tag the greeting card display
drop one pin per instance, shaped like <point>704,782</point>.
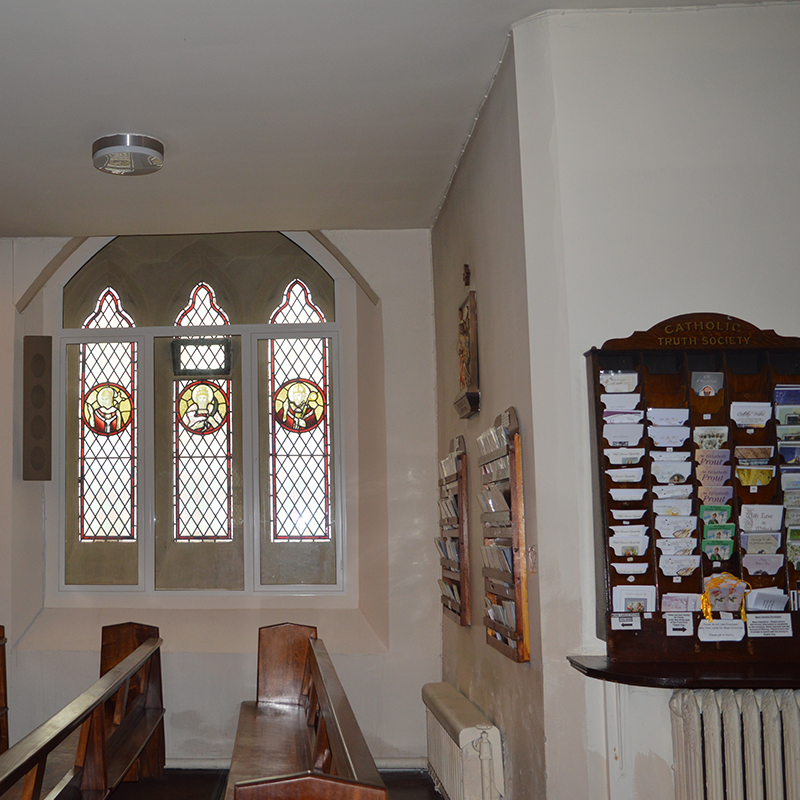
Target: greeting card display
<point>696,434</point>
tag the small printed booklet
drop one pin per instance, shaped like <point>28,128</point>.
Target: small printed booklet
<point>714,515</point>
<point>707,384</point>
<point>718,549</point>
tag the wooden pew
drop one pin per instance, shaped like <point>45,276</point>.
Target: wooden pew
<point>120,721</point>
<point>3,693</point>
<point>299,740</point>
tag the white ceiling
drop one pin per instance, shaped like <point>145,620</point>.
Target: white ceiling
<point>276,114</point>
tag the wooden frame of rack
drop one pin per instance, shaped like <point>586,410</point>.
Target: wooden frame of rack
<point>3,693</point>
<point>456,529</point>
<point>752,362</point>
<point>506,528</point>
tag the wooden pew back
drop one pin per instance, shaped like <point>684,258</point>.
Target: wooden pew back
<point>322,748</point>
<point>120,720</point>
<point>282,657</point>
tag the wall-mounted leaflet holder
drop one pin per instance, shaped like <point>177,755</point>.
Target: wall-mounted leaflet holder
<point>453,540</point>
<point>696,438</point>
<point>505,568</point>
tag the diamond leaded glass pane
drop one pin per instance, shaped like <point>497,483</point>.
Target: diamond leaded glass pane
<point>202,461</point>
<point>202,308</point>
<point>299,425</point>
<point>108,423</point>
<point>202,489</point>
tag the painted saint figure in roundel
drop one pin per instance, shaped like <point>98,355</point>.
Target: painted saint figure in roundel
<point>107,409</point>
<point>299,405</point>
<point>202,407</point>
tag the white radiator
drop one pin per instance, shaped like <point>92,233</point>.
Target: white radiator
<point>465,754</point>
<point>736,745</point>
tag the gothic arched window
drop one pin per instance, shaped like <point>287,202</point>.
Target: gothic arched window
<point>107,474</point>
<point>299,425</point>
<point>203,433</point>
<point>199,443</point>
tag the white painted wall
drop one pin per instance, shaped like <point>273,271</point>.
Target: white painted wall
<point>481,225</point>
<point>660,175</point>
<point>209,653</point>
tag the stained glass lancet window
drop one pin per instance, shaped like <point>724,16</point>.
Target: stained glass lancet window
<point>202,493</point>
<point>299,371</point>
<point>108,424</point>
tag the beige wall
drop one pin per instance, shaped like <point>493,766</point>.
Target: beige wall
<point>659,174</point>
<point>674,161</point>
<point>481,224</point>
<point>382,632</point>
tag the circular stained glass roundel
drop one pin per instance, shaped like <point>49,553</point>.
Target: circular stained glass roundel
<point>299,405</point>
<point>202,407</point>
<point>107,409</point>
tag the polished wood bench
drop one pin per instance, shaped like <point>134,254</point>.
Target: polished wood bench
<point>118,724</point>
<point>300,738</point>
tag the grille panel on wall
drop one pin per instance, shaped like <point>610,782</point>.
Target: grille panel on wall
<point>465,756</point>
<point>736,745</point>
<point>37,444</point>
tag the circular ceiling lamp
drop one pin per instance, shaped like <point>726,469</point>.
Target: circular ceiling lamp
<point>128,154</point>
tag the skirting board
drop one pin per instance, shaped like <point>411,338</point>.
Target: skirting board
<point>198,763</point>
<point>383,764</point>
<point>401,764</point>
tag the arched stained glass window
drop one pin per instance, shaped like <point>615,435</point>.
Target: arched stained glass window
<point>200,445</point>
<point>202,308</point>
<point>108,425</point>
<point>202,494</point>
<point>299,377</point>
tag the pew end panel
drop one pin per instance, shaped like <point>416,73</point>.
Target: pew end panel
<point>282,658</point>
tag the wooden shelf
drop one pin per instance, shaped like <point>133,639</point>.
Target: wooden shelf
<point>661,362</point>
<point>509,481</point>
<point>691,675</point>
<point>454,486</point>
<point>493,455</point>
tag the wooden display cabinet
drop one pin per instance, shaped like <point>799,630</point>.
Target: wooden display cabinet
<point>504,554</point>
<point>747,364</point>
<point>453,542</point>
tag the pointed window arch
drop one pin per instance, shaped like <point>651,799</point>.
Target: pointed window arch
<point>202,491</point>
<point>199,447</point>
<point>300,452</point>
<point>107,474</point>
<point>202,308</point>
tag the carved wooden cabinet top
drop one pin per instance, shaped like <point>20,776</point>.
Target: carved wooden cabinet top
<point>702,331</point>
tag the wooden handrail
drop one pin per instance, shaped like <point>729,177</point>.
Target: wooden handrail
<point>349,748</point>
<point>31,751</point>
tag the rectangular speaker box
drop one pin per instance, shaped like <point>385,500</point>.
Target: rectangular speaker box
<point>37,408</point>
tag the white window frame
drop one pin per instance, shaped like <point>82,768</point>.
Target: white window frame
<point>344,288</point>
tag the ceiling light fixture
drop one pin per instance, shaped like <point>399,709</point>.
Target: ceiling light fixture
<point>128,154</point>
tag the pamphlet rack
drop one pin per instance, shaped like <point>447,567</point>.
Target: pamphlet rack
<point>640,587</point>
<point>453,541</point>
<point>504,553</point>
